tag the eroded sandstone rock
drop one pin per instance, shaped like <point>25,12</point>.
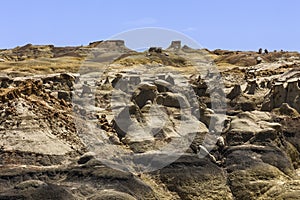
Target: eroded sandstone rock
<point>42,155</point>
<point>175,100</point>
<point>283,94</point>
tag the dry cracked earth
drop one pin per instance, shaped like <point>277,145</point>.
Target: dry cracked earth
<point>105,122</point>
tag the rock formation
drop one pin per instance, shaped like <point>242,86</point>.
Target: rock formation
<point>69,133</point>
<point>175,46</point>
<point>288,92</point>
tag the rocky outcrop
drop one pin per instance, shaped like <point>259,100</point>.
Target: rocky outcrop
<point>30,51</point>
<point>27,105</point>
<point>37,190</point>
<point>283,93</point>
<point>172,100</point>
<point>144,93</point>
<point>202,179</point>
<point>285,109</point>
<point>101,182</point>
<point>149,127</point>
<point>251,87</point>
<point>247,126</point>
<point>175,46</point>
<point>235,92</point>
<point>155,114</point>
<point>155,50</point>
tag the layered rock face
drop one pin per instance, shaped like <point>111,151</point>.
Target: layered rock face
<point>105,122</point>
<point>281,93</point>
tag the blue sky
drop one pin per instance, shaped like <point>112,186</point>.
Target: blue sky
<point>230,24</point>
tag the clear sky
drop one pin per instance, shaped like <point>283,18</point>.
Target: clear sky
<point>225,24</point>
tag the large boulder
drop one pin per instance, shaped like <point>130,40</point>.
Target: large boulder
<point>286,109</point>
<point>65,95</point>
<point>235,92</point>
<point>253,174</point>
<point>175,100</point>
<point>163,86</point>
<point>248,126</point>
<point>200,179</point>
<point>5,81</point>
<point>144,93</point>
<point>252,86</point>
